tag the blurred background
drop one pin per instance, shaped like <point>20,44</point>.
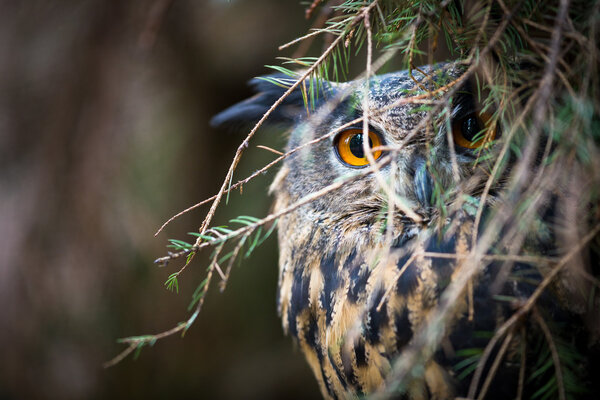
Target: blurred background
<point>104,110</point>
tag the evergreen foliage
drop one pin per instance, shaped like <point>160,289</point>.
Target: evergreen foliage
<point>535,68</point>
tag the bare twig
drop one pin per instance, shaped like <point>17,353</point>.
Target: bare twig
<point>232,259</point>
<point>555,358</point>
<point>260,146</point>
<point>411,50</point>
<point>495,365</point>
<point>262,170</point>
<point>398,275</point>
<point>271,217</point>
<point>496,257</point>
<point>121,356</point>
<point>521,385</point>
<point>308,35</point>
<point>525,308</point>
<point>365,142</point>
<point>137,341</point>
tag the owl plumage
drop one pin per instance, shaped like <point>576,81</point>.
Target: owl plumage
<point>355,284</point>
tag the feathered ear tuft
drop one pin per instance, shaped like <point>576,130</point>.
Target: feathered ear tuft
<point>268,90</point>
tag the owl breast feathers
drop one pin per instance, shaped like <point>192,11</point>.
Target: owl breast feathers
<point>366,267</point>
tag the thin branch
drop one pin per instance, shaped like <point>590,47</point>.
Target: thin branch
<point>529,304</point>
<point>365,142</point>
<point>495,365</point>
<point>521,384</point>
<point>271,217</point>
<point>555,358</point>
<point>411,50</point>
<point>452,150</point>
<point>236,250</point>
<point>495,257</point>
<point>121,356</point>
<point>398,275</point>
<point>269,149</point>
<point>135,342</point>
<point>308,35</point>
<point>262,170</point>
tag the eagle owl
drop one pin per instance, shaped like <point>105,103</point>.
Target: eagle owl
<point>364,265</point>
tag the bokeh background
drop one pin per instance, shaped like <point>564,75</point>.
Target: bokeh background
<point>104,134</point>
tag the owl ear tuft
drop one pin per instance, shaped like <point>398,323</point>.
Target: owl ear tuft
<point>268,90</point>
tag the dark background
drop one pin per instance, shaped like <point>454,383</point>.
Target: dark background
<point>104,110</point>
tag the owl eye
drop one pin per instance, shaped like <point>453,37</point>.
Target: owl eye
<point>468,132</point>
<point>349,147</point>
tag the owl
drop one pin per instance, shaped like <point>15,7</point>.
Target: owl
<point>383,281</point>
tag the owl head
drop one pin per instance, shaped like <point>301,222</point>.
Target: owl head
<point>425,140</point>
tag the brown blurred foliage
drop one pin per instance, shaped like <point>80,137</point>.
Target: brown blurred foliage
<point>104,109</point>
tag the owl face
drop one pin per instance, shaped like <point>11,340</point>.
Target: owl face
<point>414,141</point>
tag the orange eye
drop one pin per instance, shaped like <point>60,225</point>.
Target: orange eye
<point>473,131</point>
<point>349,147</point>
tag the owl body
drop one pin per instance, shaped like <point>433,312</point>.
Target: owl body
<point>341,293</point>
<point>329,301</point>
<point>355,285</point>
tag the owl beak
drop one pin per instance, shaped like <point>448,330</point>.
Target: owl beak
<point>423,183</point>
